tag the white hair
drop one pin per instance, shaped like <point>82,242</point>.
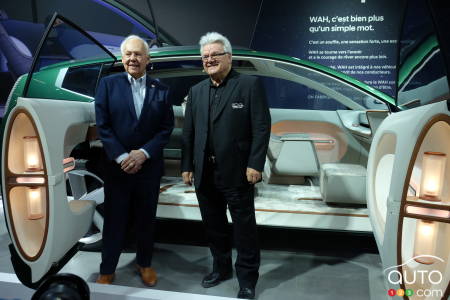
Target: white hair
<point>215,37</point>
<point>133,37</point>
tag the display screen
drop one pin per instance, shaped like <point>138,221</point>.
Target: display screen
<point>358,38</point>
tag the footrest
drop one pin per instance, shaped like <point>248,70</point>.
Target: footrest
<point>343,183</point>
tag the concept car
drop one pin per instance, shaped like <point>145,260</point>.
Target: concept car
<point>342,155</point>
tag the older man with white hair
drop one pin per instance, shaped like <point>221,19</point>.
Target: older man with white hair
<point>134,121</point>
<point>225,139</point>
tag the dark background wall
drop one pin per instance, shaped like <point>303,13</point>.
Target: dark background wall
<point>186,21</point>
<point>282,26</point>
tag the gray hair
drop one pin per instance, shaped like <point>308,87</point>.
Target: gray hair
<point>215,37</point>
<point>133,37</point>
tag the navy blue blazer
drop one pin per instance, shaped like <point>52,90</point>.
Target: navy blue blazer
<point>118,126</point>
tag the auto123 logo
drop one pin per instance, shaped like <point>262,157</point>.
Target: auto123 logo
<point>420,277</point>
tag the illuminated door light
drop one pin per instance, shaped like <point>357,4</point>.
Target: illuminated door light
<point>433,170</point>
<point>34,203</point>
<point>425,242</point>
<point>32,154</point>
<point>428,212</point>
<point>28,180</point>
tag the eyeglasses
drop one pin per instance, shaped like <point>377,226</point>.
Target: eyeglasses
<point>213,56</point>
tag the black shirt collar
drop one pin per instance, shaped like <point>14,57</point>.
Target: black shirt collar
<point>230,74</point>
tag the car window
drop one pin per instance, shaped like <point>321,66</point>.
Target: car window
<point>287,85</point>
<point>179,87</point>
<point>325,91</point>
<point>181,75</point>
<point>82,79</point>
<point>282,93</point>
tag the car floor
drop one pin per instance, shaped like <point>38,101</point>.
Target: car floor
<point>274,197</point>
<point>295,264</point>
<point>294,206</point>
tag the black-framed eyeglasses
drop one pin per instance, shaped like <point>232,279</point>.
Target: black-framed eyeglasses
<point>213,56</point>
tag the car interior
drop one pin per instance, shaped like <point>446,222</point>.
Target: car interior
<point>320,136</point>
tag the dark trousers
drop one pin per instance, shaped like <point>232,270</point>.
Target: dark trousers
<point>122,194</point>
<point>213,199</point>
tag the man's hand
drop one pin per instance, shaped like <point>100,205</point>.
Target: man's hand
<point>187,177</point>
<point>133,163</point>
<point>253,176</point>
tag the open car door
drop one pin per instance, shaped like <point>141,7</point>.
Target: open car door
<point>45,224</point>
<point>408,171</point>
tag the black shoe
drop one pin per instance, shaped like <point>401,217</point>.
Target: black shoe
<point>214,278</point>
<point>246,293</point>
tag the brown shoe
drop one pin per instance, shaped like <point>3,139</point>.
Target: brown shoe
<point>105,278</point>
<point>148,276</point>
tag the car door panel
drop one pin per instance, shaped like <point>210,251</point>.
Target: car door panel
<point>45,226</point>
<point>408,229</point>
<point>332,141</point>
<point>43,221</point>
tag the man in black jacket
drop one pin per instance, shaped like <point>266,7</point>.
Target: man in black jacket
<point>225,139</point>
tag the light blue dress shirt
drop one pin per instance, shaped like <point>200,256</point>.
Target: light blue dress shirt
<point>138,89</point>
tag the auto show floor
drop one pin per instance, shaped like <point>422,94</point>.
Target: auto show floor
<point>294,265</point>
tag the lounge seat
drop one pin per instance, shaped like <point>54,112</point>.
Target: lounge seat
<point>343,183</point>
<point>290,158</point>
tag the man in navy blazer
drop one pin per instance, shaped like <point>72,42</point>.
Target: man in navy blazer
<point>134,121</point>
